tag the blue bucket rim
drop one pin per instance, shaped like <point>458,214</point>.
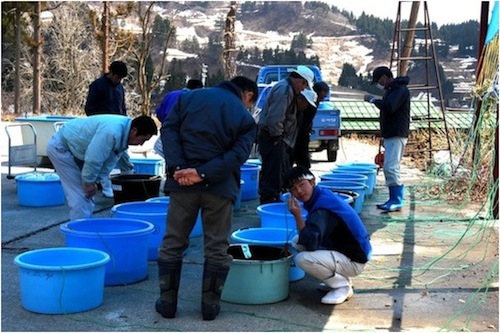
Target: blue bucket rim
<point>158,199</point>
<point>359,163</point>
<point>354,175</point>
<point>261,207</point>
<point>115,208</point>
<point>147,160</point>
<point>354,169</point>
<point>250,166</point>
<point>149,228</point>
<point>105,258</point>
<point>264,229</point>
<point>261,262</point>
<point>343,184</point>
<point>24,175</point>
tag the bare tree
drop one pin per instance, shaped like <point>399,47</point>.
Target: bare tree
<point>148,74</point>
<point>71,59</point>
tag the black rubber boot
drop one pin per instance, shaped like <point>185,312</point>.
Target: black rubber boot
<point>169,273</point>
<point>214,276</point>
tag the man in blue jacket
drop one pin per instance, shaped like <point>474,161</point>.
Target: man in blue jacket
<point>86,149</point>
<point>333,240</point>
<point>207,136</point>
<point>166,104</point>
<point>394,128</point>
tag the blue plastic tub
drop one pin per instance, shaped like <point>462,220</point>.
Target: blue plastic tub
<point>250,175</point>
<point>125,240</point>
<point>237,203</point>
<point>272,237</point>
<point>277,215</point>
<point>345,176</point>
<point>366,171</point>
<point>149,166</point>
<point>359,164</point>
<point>32,190</point>
<point>198,227</point>
<point>357,187</point>
<point>61,280</point>
<point>347,198</point>
<point>260,279</point>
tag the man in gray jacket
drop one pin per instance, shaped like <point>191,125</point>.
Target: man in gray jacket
<point>278,132</point>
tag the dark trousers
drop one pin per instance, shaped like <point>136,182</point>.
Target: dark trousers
<point>301,150</point>
<point>217,216</point>
<point>275,164</point>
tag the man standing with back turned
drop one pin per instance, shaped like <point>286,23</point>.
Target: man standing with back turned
<point>394,128</point>
<point>207,137</point>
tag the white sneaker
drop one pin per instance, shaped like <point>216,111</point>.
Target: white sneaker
<point>338,295</point>
<point>336,281</point>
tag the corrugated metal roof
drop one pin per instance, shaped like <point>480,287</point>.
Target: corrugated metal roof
<point>358,115</point>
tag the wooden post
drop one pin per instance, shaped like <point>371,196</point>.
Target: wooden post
<point>409,38</point>
<point>37,56</point>
<point>229,44</point>
<point>17,83</point>
<point>105,37</point>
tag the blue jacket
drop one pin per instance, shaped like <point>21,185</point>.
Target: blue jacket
<point>210,130</point>
<point>105,98</point>
<point>167,102</point>
<point>334,225</point>
<point>395,109</point>
<point>98,142</point>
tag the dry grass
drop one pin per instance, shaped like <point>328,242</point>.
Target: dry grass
<point>473,185</point>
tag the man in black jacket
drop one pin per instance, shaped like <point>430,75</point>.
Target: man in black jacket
<point>107,96</point>
<point>206,137</point>
<point>394,128</point>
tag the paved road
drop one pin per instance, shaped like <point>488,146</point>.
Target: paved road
<point>431,270</point>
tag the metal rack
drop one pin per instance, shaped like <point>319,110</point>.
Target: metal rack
<point>402,56</point>
<point>21,154</point>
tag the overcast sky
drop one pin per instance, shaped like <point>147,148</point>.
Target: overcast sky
<point>440,11</point>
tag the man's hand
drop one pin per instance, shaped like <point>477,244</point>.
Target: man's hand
<point>369,98</point>
<point>293,206</point>
<point>187,177</point>
<point>90,190</point>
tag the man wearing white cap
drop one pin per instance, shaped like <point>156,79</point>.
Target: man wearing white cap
<point>278,131</point>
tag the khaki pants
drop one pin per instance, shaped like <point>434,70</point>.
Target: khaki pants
<point>323,264</point>
<point>217,217</point>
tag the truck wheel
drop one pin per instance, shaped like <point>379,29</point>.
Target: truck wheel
<point>332,155</point>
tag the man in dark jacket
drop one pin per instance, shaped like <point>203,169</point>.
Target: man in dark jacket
<point>333,242</point>
<point>207,136</point>
<point>106,94</point>
<point>394,128</point>
<point>301,150</point>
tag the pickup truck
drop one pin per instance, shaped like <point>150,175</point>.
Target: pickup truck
<point>271,74</point>
<point>325,130</point>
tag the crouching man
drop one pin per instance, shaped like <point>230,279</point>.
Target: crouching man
<point>333,242</point>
